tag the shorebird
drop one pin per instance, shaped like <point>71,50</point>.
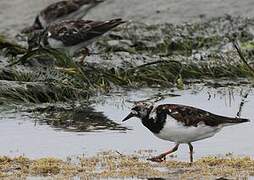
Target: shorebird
<point>71,35</point>
<point>59,11</point>
<point>180,124</point>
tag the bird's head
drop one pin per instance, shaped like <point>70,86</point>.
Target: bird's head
<point>140,110</point>
<point>36,26</point>
<point>35,39</point>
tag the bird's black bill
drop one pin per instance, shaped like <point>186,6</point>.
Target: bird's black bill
<point>128,117</point>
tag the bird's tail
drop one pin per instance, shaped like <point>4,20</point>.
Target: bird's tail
<point>83,2</point>
<point>114,22</point>
<point>105,26</point>
<point>236,120</point>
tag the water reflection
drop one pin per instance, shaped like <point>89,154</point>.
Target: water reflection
<point>81,119</point>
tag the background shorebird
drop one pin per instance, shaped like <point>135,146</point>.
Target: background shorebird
<point>62,10</point>
<point>180,124</point>
<point>71,35</point>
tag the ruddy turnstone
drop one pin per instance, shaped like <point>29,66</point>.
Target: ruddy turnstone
<point>71,35</point>
<point>180,124</point>
<point>62,10</point>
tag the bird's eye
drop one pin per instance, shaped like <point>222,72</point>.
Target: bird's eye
<point>136,108</point>
<point>134,112</point>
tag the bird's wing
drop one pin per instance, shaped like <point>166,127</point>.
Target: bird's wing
<point>61,9</point>
<point>73,32</point>
<point>191,116</point>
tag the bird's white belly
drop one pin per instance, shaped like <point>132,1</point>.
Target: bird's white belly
<point>53,43</point>
<point>56,44</point>
<point>175,131</point>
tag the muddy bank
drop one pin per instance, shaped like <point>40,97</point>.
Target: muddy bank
<point>133,55</point>
<point>172,11</point>
<point>16,14</point>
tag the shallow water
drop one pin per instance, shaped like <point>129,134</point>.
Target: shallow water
<point>20,135</point>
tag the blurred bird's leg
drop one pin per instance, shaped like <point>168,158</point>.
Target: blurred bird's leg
<point>162,157</point>
<point>84,52</point>
<point>191,152</point>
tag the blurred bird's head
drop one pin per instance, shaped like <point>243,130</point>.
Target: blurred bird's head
<point>36,26</point>
<point>140,110</point>
<point>35,39</point>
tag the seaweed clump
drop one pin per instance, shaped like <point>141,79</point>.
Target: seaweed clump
<point>115,165</point>
<point>212,166</point>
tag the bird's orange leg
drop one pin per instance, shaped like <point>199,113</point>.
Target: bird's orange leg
<point>162,157</point>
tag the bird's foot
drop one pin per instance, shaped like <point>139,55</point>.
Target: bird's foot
<point>159,158</point>
<point>85,52</point>
<point>81,62</point>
